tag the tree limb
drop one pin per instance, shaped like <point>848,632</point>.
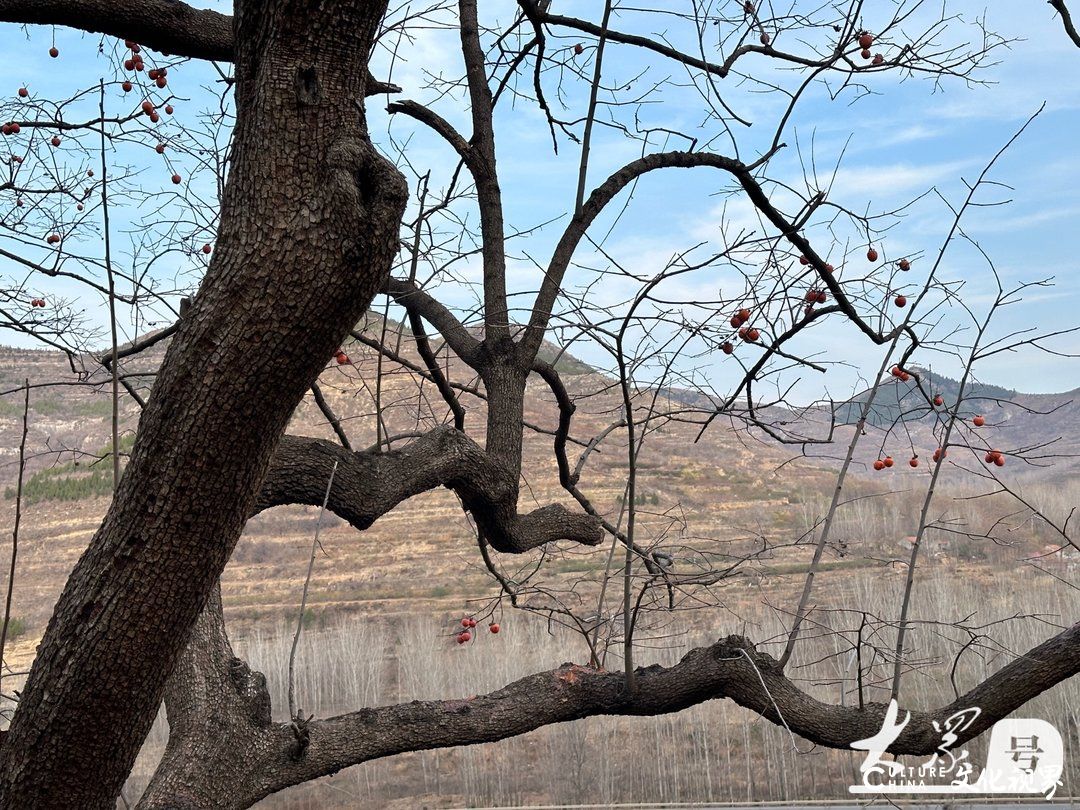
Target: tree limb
<point>368,485</point>
<point>606,191</point>
<point>168,26</point>
<point>164,25</point>
<point>579,224</point>
<point>440,126</point>
<point>731,668</point>
<point>1066,20</point>
<point>420,302</point>
<point>488,193</point>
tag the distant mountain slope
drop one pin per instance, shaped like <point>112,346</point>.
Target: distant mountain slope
<point>1046,427</point>
<point>729,485</point>
<point>565,363</point>
<point>895,398</point>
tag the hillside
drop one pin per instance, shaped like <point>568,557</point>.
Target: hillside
<point>396,589</point>
<point>723,487</point>
<point>720,496</point>
<point>895,398</point>
<point>1042,425</point>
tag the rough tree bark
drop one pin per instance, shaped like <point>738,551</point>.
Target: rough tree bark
<point>216,707</point>
<point>309,226</point>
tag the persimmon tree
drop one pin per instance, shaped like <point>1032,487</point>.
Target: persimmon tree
<point>314,221</point>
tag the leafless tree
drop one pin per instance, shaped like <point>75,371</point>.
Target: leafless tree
<point>314,222</point>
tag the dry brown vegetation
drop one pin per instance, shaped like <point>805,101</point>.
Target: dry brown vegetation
<point>713,752</point>
<point>384,603</point>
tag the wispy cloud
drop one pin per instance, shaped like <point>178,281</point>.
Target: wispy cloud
<point>877,181</point>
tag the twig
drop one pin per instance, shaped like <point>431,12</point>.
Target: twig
<point>114,365</point>
<point>603,585</point>
<point>303,599</point>
<point>583,168</point>
<point>18,519</point>
<point>379,425</point>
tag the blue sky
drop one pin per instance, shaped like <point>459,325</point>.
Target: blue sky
<point>889,146</point>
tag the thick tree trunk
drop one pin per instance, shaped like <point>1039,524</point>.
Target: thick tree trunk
<point>309,226</point>
<point>504,375</point>
<point>219,710</point>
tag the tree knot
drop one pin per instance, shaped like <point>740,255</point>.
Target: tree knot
<point>308,89</point>
<point>250,686</point>
<point>743,648</point>
<point>570,673</point>
<point>365,183</point>
<point>302,733</point>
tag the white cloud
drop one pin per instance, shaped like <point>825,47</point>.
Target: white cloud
<point>878,181</point>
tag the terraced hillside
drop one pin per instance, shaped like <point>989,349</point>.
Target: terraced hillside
<point>724,494</point>
<point>723,487</point>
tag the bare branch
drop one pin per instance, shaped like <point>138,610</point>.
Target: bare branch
<point>1066,20</point>
<point>730,668</point>
<point>370,484</point>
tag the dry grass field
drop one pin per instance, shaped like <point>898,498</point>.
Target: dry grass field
<point>713,752</point>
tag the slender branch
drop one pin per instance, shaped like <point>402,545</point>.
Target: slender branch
<point>423,346</point>
<point>414,299</point>
<point>331,417</point>
<point>928,499</point>
<point>830,515</point>
<point>587,27</point>
<point>590,115</point>
<point>18,521</point>
<point>114,364</point>
<point>441,126</point>
<point>303,599</point>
